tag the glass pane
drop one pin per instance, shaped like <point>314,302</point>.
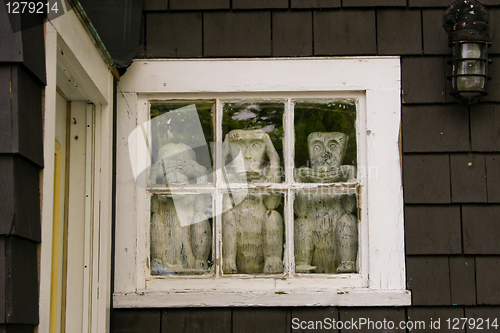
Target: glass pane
<point>325,142</point>
<point>252,233</point>
<point>181,133</point>
<point>325,232</point>
<point>181,234</point>
<point>256,130</point>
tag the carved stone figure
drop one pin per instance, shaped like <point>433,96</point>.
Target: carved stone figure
<point>180,231</point>
<point>326,234</point>
<point>252,231</point>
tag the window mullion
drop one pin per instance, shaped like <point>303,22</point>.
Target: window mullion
<point>219,167</point>
<point>289,165</point>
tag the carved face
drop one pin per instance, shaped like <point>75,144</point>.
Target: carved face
<point>170,162</point>
<point>326,150</point>
<point>176,151</point>
<point>252,145</point>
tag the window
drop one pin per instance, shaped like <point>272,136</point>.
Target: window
<point>260,182</point>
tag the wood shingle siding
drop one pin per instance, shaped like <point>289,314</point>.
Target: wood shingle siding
<point>484,123</point>
<point>487,281</point>
<point>237,34</point>
<point>174,35</point>
<point>22,76</point>
<point>406,38</point>
<point>292,33</point>
<point>259,4</point>
<point>193,320</point>
<point>426,178</point>
<point>452,223</point>
<point>19,183</point>
<point>462,280</point>
<point>344,32</point>
<point>481,234</point>
<point>137,320</point>
<point>435,128</point>
<point>423,80</point>
<point>433,229</point>
<point>468,178</point>
<point>493,177</point>
<point>314,3</point>
<point>428,277</point>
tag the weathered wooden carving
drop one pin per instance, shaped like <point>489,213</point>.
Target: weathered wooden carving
<point>326,234</point>
<point>252,231</point>
<point>180,231</point>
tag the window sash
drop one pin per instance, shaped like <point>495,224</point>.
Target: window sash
<point>289,187</point>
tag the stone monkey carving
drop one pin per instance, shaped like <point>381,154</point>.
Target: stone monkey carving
<point>177,248</point>
<point>252,231</point>
<point>326,235</point>
<point>177,164</point>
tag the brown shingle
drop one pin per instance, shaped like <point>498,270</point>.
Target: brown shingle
<point>198,4</point>
<point>196,320</point>
<point>434,36</point>
<point>344,32</point>
<point>487,281</point>
<point>493,177</point>
<point>468,178</point>
<point>315,3</point>
<point>463,280</point>
<point>433,229</point>
<point>292,33</point>
<point>426,178</point>
<point>435,128</point>
<point>259,4</point>
<point>429,3</point>
<point>399,32</point>
<point>246,34</point>
<point>428,279</point>
<point>423,80</point>
<point>373,3</point>
<point>174,35</point>
<point>481,229</point>
<point>485,121</point>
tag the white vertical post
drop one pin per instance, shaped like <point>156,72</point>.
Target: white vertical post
<point>48,177</point>
<point>88,237</point>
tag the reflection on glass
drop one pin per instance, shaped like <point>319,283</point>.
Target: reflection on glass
<point>325,232</point>
<point>181,234</point>
<point>256,130</point>
<point>181,131</point>
<point>252,233</point>
<point>325,142</point>
<point>472,53</point>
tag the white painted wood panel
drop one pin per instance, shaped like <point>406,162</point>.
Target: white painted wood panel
<point>126,219</point>
<point>83,58</point>
<point>76,220</point>
<point>341,297</point>
<point>244,75</point>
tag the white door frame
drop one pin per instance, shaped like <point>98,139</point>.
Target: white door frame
<point>68,46</point>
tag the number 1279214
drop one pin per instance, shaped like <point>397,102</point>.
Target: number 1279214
<point>31,7</point>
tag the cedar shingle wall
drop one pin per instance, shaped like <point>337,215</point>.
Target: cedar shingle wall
<point>22,77</point>
<point>451,157</point>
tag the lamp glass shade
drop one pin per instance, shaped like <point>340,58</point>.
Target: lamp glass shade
<point>469,69</point>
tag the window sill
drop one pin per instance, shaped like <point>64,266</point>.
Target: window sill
<point>215,298</point>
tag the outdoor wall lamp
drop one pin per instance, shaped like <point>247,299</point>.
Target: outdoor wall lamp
<point>466,22</point>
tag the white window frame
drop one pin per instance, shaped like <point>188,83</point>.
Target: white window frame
<point>374,82</point>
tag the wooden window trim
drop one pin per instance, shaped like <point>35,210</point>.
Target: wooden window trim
<point>376,83</point>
